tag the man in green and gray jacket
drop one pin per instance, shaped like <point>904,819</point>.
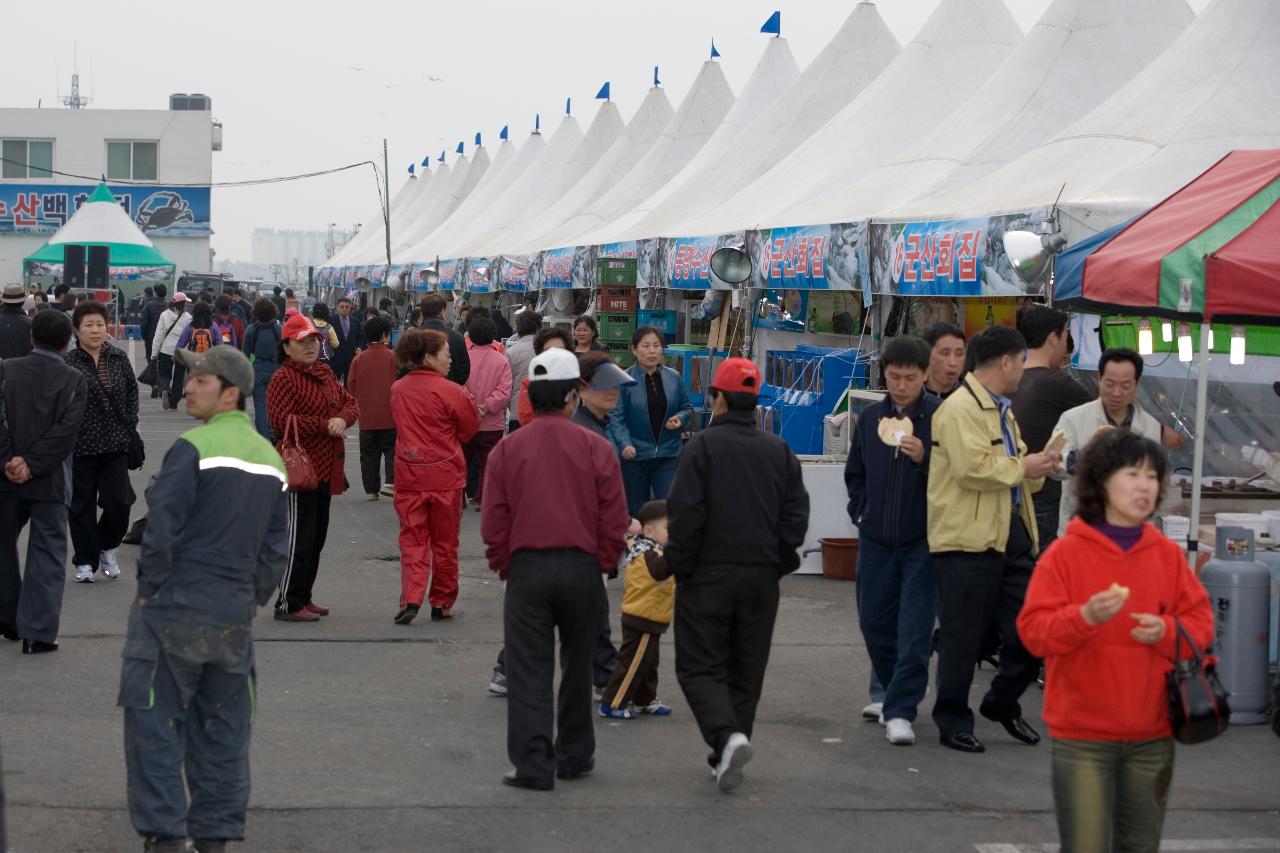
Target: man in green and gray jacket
<point>214,551</point>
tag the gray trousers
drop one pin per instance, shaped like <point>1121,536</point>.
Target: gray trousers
<point>177,717</point>
<point>550,591</point>
<point>33,605</point>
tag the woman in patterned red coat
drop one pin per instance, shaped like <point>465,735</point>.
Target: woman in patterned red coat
<point>304,390</point>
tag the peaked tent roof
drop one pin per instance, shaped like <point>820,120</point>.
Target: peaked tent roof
<point>774,73</point>
<point>101,221</point>
<point>373,235</point>
<point>956,50</point>
<point>646,125</point>
<point>1157,264</point>
<point>605,130</point>
<point>460,192</point>
<point>704,107</point>
<point>855,56</point>
<point>1213,90</point>
<point>1078,53</point>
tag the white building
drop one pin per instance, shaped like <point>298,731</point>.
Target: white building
<point>156,151</point>
<point>292,248</point>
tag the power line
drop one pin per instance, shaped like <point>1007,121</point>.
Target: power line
<point>249,183</point>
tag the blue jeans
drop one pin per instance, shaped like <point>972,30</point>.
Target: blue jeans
<point>647,480</point>
<point>262,373</point>
<point>897,597</point>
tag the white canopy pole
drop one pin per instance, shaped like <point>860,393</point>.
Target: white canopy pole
<point>1197,466</point>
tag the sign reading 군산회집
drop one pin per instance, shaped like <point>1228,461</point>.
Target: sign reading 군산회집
<point>941,258</point>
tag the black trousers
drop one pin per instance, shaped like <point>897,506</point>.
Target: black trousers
<point>33,607</point>
<point>977,591</point>
<point>550,591</point>
<point>377,449</point>
<point>308,528</point>
<point>603,660</point>
<point>1046,511</point>
<point>635,676</point>
<point>724,630</point>
<point>97,481</point>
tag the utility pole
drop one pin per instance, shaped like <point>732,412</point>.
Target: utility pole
<point>386,199</point>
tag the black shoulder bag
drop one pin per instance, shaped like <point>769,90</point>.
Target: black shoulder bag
<point>137,452</point>
<point>1198,709</point>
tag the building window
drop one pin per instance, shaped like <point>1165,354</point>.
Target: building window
<point>131,161</point>
<point>27,158</point>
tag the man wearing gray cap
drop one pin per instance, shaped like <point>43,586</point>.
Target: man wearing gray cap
<point>215,546</point>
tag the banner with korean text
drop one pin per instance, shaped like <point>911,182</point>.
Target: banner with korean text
<point>157,210</point>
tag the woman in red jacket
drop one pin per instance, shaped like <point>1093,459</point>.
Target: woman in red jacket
<point>434,418</point>
<point>1101,610</point>
<point>304,391</point>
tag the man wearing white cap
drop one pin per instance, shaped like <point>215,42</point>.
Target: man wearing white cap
<point>553,520</point>
<point>15,325</point>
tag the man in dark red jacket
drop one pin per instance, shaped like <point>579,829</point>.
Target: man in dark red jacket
<point>369,379</point>
<point>553,520</point>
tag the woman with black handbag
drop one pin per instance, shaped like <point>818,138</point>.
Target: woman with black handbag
<point>1105,608</point>
<point>108,439</point>
<point>311,412</point>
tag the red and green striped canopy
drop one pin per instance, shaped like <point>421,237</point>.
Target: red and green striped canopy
<point>1210,250</point>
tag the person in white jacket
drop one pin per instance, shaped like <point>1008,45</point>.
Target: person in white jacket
<point>1119,372</point>
<point>169,328</point>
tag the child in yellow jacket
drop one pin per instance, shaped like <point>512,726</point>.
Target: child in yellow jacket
<point>648,605</point>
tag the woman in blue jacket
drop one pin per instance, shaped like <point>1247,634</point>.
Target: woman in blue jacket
<point>647,424</point>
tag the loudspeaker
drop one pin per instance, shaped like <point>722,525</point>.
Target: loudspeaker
<point>731,265</point>
<point>73,265</point>
<point>99,267</point>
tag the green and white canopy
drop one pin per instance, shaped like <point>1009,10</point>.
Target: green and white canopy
<point>101,221</point>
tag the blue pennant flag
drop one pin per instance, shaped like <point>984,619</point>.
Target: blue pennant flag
<point>410,168</point>
<point>656,81</point>
<point>458,150</point>
<point>442,156</point>
<point>426,162</point>
<point>568,106</point>
<point>505,132</point>
<point>714,53</point>
<point>773,26</point>
<point>603,94</point>
<point>537,122</point>
<point>477,139</point>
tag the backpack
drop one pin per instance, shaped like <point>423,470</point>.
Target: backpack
<point>227,328</point>
<point>201,340</point>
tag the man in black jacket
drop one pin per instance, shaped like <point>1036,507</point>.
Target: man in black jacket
<point>887,478</point>
<point>151,313</point>
<point>15,327</point>
<point>738,513</point>
<point>433,305</point>
<point>44,400</point>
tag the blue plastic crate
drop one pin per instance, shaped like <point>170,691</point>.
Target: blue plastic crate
<point>667,321</point>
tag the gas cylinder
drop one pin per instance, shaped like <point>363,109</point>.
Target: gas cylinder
<point>1239,589</point>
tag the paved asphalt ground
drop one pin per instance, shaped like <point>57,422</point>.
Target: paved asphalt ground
<point>374,737</point>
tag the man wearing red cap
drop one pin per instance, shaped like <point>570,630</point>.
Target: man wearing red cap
<point>738,514</point>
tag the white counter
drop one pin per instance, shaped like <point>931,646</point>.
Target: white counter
<point>828,502</point>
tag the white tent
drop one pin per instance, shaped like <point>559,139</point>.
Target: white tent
<point>773,74</point>
<point>451,238</point>
<point>1077,54</point>
<point>642,131</point>
<point>855,56</point>
<point>448,202</point>
<point>605,130</point>
<point>956,51</point>
<point>1213,90</point>
<point>705,106</point>
<point>374,234</point>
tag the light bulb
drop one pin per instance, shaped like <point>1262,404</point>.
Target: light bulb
<point>1184,342</point>
<point>1166,331</point>
<point>1211,339</point>
<point>1237,345</point>
<point>1145,344</point>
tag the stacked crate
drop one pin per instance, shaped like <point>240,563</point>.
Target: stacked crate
<point>616,306</point>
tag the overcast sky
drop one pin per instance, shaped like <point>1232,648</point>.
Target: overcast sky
<point>300,88</point>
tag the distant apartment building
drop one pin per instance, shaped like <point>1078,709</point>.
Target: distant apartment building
<point>295,248</point>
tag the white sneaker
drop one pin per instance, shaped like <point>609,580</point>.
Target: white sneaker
<point>872,711</point>
<point>880,720</point>
<point>737,752</point>
<point>899,732</point>
<point>84,574</point>
<point>108,563</point>
<point>388,491</point>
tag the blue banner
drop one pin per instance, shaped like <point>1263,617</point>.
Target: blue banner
<point>555,269</point>
<point>942,258</point>
<point>157,210</point>
<point>476,277</point>
<point>513,274</point>
<point>691,263</point>
<point>811,257</point>
<point>449,273</point>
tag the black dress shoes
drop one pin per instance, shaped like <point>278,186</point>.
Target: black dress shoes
<point>568,774</point>
<point>515,780</point>
<point>1018,729</point>
<point>962,742</point>
<point>35,647</point>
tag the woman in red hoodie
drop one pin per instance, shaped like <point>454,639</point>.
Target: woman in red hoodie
<point>304,391</point>
<point>433,418</point>
<point>1101,611</point>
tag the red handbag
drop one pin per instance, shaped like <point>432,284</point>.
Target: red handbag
<point>297,464</point>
